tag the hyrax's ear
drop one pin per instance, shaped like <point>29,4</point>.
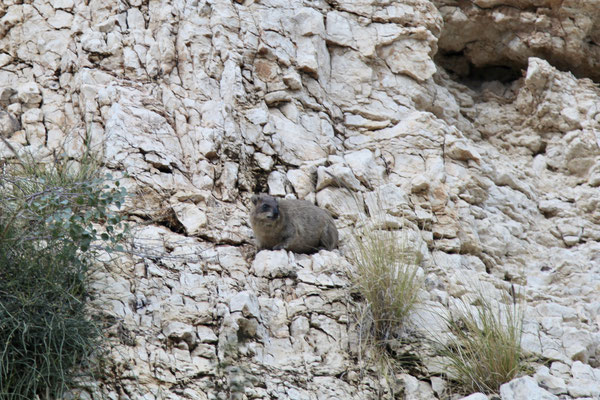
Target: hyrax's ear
<point>254,199</point>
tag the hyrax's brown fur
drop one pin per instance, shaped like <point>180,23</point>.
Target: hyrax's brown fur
<point>294,225</point>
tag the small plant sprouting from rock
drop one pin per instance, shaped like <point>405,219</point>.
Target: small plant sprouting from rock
<point>483,350</point>
<point>50,219</point>
<point>387,278</point>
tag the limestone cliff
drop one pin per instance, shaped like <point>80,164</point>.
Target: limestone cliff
<point>478,121</point>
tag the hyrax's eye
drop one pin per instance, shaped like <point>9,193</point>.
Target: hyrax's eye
<point>264,207</point>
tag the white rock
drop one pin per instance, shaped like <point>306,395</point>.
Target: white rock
<point>130,59</point>
<point>297,394</point>
<point>578,344</point>
<point>307,55</point>
<point>194,394</point>
<point>301,182</point>
<point>525,388</point>
<point>308,22</point>
<point>95,42</point>
<point>206,334</point>
<point>8,124</point>
<point>340,202</point>
<point>273,264</point>
<point>539,164</point>
<point>228,179</point>
<point>5,95</point>
<point>293,80</point>
<point>460,149</point>
<point>32,116</point>
<point>5,59</point>
<point>580,155</point>
<point>294,144</point>
<point>387,199</point>
<point>202,366</point>
<point>339,29</point>
<point>582,371</point>
<point>549,309</point>
<point>350,76</point>
<point>247,303</point>
<point>409,56</point>
<point>63,4</point>
<point>594,176</point>
<point>36,134</point>
<point>29,93</point>
<point>554,384</point>
<point>475,396</point>
<point>61,19</point>
<point>365,168</point>
<point>55,138</point>
<point>337,175</point>
<point>584,388</point>
<point>299,327</point>
<point>552,207</point>
<point>419,184</point>
<point>15,108</point>
<point>258,116</point>
<point>264,161</point>
<point>180,331</point>
<point>415,389</point>
<point>276,182</point>
<point>106,25</point>
<point>439,386</point>
<point>191,217</point>
<point>277,97</point>
<point>358,121</point>
<point>13,16</point>
<point>558,368</point>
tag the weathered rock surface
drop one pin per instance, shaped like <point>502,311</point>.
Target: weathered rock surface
<point>524,388</point>
<point>203,103</point>
<point>505,33</point>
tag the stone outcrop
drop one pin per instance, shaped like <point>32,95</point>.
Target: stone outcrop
<point>196,105</point>
<point>505,33</point>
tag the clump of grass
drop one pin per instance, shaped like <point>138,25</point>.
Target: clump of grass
<point>387,278</point>
<point>48,219</point>
<point>483,350</point>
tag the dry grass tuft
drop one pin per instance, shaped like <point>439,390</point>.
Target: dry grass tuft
<point>387,277</point>
<point>484,349</point>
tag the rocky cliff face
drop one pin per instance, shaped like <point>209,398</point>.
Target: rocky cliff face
<point>476,122</point>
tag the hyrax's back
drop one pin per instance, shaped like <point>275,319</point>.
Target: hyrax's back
<point>313,227</point>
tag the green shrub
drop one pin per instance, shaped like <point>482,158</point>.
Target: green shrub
<point>386,276</point>
<point>49,219</point>
<point>484,347</point>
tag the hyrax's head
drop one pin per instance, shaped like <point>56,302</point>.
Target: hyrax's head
<point>266,208</point>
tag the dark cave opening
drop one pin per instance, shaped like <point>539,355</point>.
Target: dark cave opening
<point>464,71</point>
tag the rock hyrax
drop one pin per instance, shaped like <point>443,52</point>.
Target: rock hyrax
<point>294,225</point>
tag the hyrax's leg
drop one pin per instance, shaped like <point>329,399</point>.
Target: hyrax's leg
<point>286,240</point>
<point>280,246</point>
<point>329,237</point>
